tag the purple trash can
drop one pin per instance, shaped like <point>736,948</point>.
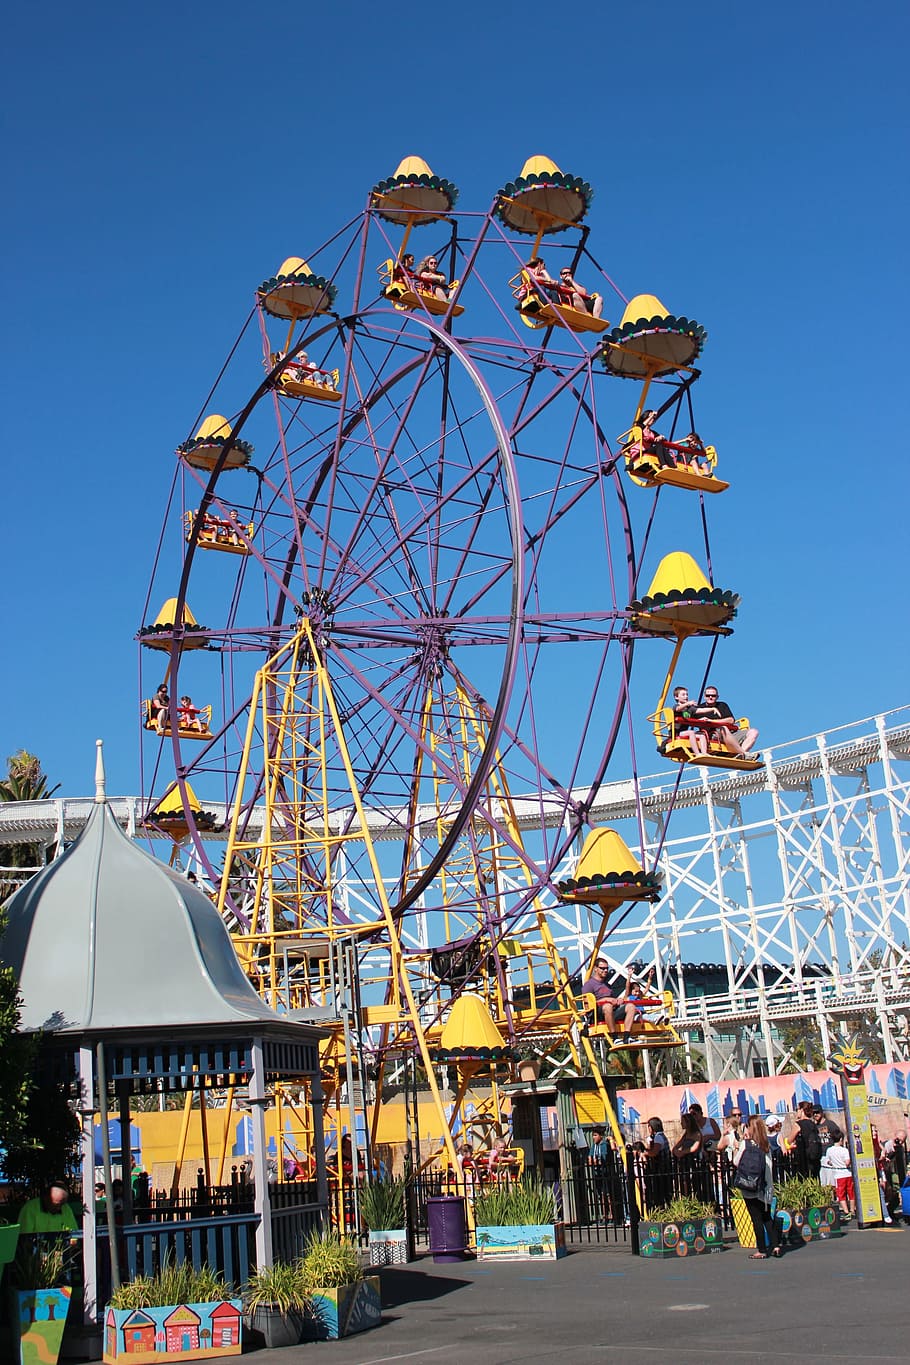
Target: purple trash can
<point>447,1223</point>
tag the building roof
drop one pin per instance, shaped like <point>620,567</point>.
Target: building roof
<point>107,938</point>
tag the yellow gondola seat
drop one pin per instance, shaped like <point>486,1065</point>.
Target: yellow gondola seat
<point>401,288</point>
<point>654,1029</point>
<point>681,749</point>
<point>299,380</point>
<point>681,468</point>
<point>538,309</point>
<point>203,714</point>
<point>220,533</point>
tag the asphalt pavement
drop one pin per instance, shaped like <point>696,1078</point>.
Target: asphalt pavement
<point>847,1300</point>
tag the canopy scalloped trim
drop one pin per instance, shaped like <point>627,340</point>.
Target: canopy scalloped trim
<point>713,597</point>
<point>648,882</point>
<point>662,323</point>
<point>430,182</point>
<point>318,282</point>
<point>471,1054</point>
<point>206,442</point>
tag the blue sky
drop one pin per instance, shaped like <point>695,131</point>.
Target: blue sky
<point>748,169</point>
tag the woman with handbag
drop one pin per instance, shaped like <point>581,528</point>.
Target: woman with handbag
<point>755,1182</point>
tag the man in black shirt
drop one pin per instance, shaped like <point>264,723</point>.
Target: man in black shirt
<point>734,739</point>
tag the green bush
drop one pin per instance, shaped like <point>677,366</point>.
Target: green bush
<point>281,1286</point>
<point>803,1192</point>
<point>329,1261</point>
<point>682,1209</point>
<point>382,1204</point>
<point>172,1284</point>
<point>526,1204</point>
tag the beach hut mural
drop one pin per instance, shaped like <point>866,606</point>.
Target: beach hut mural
<point>226,1325</point>
<point>138,1332</point>
<point>181,1329</point>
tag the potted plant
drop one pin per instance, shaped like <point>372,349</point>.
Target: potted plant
<point>180,1313</point>
<point>684,1227</point>
<point>518,1223</point>
<point>382,1207</point>
<point>807,1209</point>
<point>42,1300</point>
<point>276,1305</point>
<point>344,1299</point>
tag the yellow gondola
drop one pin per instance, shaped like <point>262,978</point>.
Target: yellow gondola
<point>298,379</point>
<point>295,293</point>
<point>400,288</point>
<point>537,309</point>
<point>220,533</point>
<point>654,1029</point>
<point>608,873</point>
<point>682,466</point>
<point>200,714</point>
<point>682,750</point>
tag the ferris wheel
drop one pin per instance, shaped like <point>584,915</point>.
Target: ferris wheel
<point>397,570</point>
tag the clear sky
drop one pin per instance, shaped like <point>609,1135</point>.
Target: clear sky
<point>749,168</point>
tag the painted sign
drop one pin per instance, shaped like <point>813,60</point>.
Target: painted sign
<point>851,1065</point>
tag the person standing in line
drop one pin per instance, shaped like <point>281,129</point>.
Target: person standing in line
<point>755,1182</point>
<point>805,1142</point>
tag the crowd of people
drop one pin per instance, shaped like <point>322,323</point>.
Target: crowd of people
<point>748,1153</point>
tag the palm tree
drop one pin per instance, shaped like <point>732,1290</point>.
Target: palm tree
<point>25,781</point>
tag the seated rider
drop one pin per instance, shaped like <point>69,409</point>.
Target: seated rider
<point>188,717</point>
<point>160,705</point>
<point>693,452</point>
<point>430,279</point>
<point>578,297</point>
<point>544,284</point>
<point>734,740</point>
<point>651,443</point>
<point>684,712</point>
<point>614,1010</point>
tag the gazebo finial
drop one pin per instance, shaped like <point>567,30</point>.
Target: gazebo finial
<point>100,796</point>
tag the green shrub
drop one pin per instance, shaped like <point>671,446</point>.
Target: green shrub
<point>682,1209</point>
<point>526,1204</point>
<point>802,1192</point>
<point>39,1265</point>
<point>382,1204</point>
<point>329,1261</point>
<point>281,1285</point>
<point>172,1284</point>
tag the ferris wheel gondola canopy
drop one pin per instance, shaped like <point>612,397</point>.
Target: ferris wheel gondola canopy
<point>680,600</point>
<point>206,447</point>
<point>543,200</point>
<point>294,292</point>
<point>469,1034</point>
<point>608,873</point>
<point>413,194</point>
<point>160,633</point>
<point>650,342</point>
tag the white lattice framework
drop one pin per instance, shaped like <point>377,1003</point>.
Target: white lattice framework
<point>793,879</point>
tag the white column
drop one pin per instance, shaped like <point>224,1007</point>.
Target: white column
<point>262,1203</point>
<point>89,1240</point>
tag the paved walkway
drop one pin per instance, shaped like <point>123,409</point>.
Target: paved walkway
<point>844,1301</point>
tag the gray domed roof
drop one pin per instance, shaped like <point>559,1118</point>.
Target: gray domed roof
<point>109,938</point>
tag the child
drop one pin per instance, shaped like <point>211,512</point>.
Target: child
<point>837,1158</point>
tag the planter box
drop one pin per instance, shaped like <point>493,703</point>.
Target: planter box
<point>811,1225</point>
<point>185,1331</point>
<point>41,1319</point>
<point>388,1246</point>
<point>694,1237</point>
<point>268,1327</point>
<point>531,1242</point>
<point>342,1312</point>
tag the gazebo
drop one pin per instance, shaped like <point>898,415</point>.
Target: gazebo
<point>130,974</point>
